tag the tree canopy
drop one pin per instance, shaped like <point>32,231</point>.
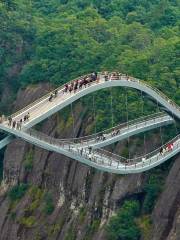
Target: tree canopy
<point>57,40</point>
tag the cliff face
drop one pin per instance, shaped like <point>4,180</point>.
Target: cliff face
<point>80,197</point>
<point>166,214</point>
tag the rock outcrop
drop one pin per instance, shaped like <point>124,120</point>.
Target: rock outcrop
<point>166,214</point>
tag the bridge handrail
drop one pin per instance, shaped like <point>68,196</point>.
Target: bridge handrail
<point>117,127</point>
<point>156,90</point>
<point>68,144</point>
<point>102,74</point>
<point>102,153</point>
<point>45,97</point>
<point>119,76</point>
<point>136,159</point>
<point>49,139</point>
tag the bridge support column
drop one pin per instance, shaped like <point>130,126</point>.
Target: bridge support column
<point>6,141</point>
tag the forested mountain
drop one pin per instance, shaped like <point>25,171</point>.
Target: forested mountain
<point>58,40</point>
<point>46,42</point>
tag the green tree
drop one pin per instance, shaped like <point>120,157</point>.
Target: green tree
<point>152,190</point>
<point>17,192</point>
<point>123,225</point>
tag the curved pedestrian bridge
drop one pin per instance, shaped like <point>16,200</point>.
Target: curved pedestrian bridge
<point>123,131</point>
<point>78,149</point>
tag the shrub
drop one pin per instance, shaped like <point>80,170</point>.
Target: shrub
<point>152,189</point>
<point>125,152</point>
<point>37,196</point>
<point>48,204</point>
<point>145,224</point>
<point>28,221</point>
<point>28,163</point>
<point>17,192</point>
<point>91,229</point>
<point>13,215</point>
<point>82,214</point>
<point>54,229</point>
<point>123,225</point>
<point>94,226</point>
<point>70,234</point>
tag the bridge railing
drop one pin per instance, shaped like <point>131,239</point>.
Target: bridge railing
<point>120,76</point>
<point>48,139</point>
<point>130,78</point>
<point>149,158</point>
<point>44,97</point>
<point>160,93</point>
<point>116,130</point>
<point>106,158</point>
<point>117,76</point>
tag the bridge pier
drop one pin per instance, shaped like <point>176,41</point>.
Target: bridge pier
<point>6,141</point>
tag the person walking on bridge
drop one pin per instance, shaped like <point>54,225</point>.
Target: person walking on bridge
<point>70,88</point>
<point>14,124</point>
<point>18,126</point>
<point>90,149</point>
<point>80,84</point>
<point>76,86</point>
<point>106,77</point>
<point>65,88</point>
<point>55,93</point>
<point>25,118</point>
<point>161,151</point>
<point>50,97</point>
<point>9,121</point>
<point>28,116</point>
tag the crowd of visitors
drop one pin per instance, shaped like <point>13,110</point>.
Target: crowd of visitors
<point>89,154</point>
<point>163,150</point>
<point>114,76</point>
<point>75,85</point>
<point>169,147</point>
<point>115,132</point>
<point>53,95</point>
<point>78,84</point>
<point>101,137</point>
<point>18,124</point>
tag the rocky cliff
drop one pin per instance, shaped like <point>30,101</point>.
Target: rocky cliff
<point>68,200</point>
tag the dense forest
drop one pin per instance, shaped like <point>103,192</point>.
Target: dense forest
<point>57,40</point>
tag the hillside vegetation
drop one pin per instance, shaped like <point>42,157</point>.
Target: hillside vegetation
<point>55,40</point>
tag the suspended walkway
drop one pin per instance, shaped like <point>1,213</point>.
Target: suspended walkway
<point>78,148</point>
<point>100,158</point>
<point>109,136</point>
<point>122,131</point>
